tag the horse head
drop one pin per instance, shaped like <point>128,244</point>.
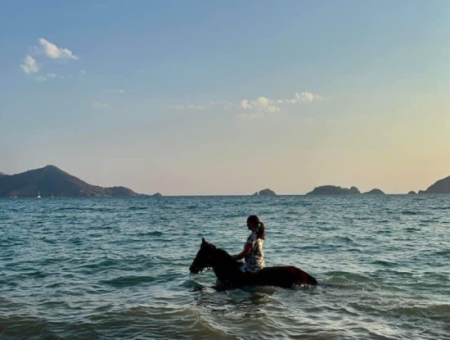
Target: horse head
<point>204,257</point>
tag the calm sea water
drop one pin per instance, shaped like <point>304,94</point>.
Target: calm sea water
<point>118,268</point>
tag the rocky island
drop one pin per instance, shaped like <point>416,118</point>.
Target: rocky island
<point>374,192</point>
<point>440,187</point>
<point>50,181</point>
<point>333,190</point>
<point>265,192</point>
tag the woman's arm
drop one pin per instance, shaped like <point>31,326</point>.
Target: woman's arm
<point>244,253</point>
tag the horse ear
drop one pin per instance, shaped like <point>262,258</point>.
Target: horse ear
<point>203,241</point>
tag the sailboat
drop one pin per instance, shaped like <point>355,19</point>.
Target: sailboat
<point>39,195</point>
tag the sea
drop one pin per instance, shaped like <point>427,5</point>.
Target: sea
<point>118,268</point>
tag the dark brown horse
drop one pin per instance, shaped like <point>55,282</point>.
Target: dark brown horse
<point>228,270</point>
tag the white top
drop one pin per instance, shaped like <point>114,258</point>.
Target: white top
<point>255,260</point>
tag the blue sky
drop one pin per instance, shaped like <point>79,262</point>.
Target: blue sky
<point>207,97</point>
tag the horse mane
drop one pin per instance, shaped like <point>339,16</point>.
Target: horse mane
<point>225,257</point>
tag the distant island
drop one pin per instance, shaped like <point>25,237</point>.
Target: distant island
<point>333,190</point>
<point>265,192</point>
<point>51,181</point>
<point>440,187</point>
<point>374,192</point>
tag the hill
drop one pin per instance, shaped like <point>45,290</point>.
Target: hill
<point>374,192</point>
<point>50,181</point>
<point>333,190</point>
<point>440,187</point>
<point>265,192</point>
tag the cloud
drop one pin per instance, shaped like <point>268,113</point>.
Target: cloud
<point>262,105</point>
<point>304,97</point>
<point>54,52</point>
<point>99,105</point>
<point>50,50</point>
<point>209,106</point>
<point>40,78</point>
<point>29,65</point>
<point>254,108</point>
<point>114,91</point>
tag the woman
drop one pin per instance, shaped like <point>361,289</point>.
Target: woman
<point>253,252</point>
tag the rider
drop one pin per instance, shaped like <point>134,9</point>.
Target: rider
<point>253,252</point>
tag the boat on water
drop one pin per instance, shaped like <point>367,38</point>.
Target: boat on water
<point>39,195</point>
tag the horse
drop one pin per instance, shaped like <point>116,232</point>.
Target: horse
<point>229,274</point>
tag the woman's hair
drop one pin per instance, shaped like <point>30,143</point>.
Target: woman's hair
<point>260,228</point>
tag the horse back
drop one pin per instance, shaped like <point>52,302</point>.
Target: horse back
<point>284,276</point>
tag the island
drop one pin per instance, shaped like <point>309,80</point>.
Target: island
<point>265,192</point>
<point>374,192</point>
<point>2,174</point>
<point>412,193</point>
<point>440,187</point>
<point>51,181</point>
<point>333,190</point>
<point>157,195</point>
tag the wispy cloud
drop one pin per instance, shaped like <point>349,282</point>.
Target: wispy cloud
<point>100,105</point>
<point>42,78</point>
<point>254,108</point>
<point>114,91</point>
<point>29,65</point>
<point>262,105</point>
<point>304,97</point>
<point>209,106</point>
<point>54,52</point>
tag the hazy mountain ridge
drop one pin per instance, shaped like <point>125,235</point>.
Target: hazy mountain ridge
<point>51,181</point>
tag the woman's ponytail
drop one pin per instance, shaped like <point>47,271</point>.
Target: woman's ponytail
<point>261,231</point>
<point>260,227</point>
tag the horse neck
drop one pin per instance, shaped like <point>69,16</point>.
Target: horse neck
<point>223,262</point>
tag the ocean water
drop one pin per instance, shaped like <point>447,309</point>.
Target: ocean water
<point>118,268</point>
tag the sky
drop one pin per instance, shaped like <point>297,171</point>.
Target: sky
<point>228,97</point>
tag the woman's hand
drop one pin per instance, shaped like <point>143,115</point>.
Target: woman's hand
<point>244,253</point>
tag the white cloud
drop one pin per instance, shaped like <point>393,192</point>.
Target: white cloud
<point>51,75</point>
<point>254,108</point>
<point>99,105</point>
<point>304,97</point>
<point>54,52</point>
<point>261,105</point>
<point>29,65</point>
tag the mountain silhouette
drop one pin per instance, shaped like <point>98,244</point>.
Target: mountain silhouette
<point>51,181</point>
